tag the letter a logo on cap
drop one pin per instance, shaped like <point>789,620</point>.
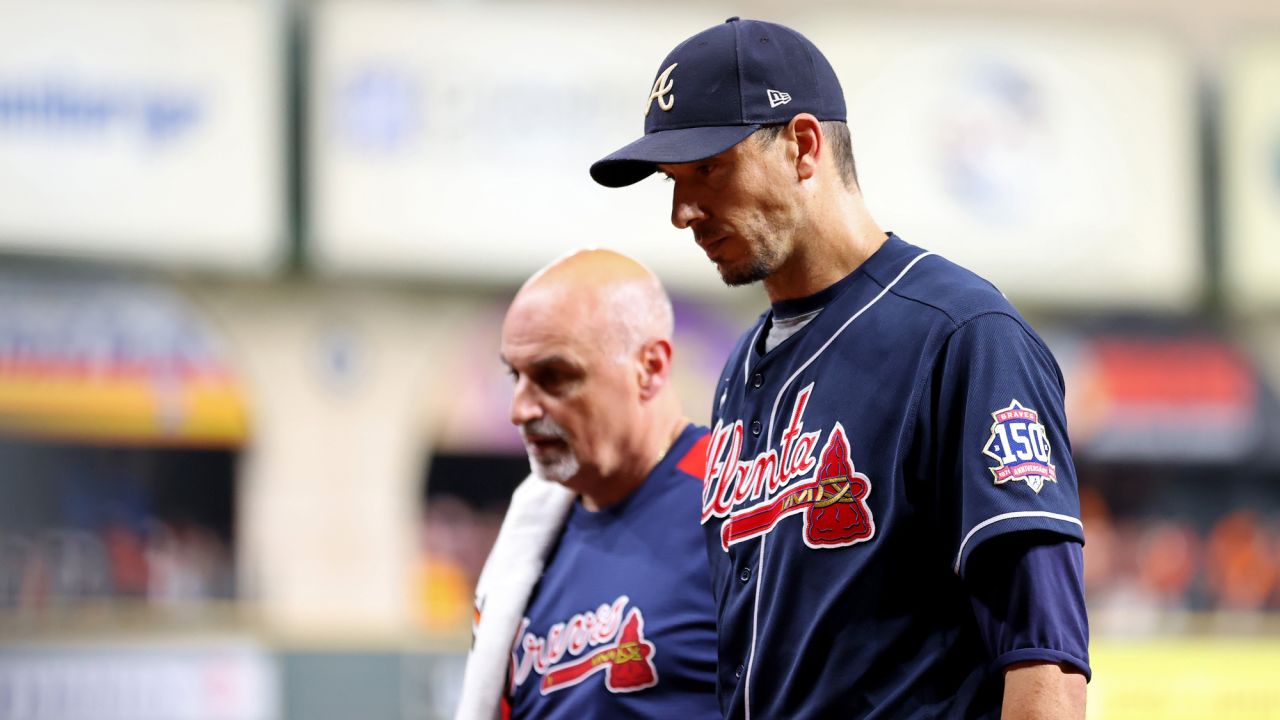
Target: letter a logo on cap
<point>662,91</point>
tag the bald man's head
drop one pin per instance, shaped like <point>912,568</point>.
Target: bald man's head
<point>617,300</point>
<point>588,343</point>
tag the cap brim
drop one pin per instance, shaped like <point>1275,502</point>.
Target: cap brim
<point>639,160</point>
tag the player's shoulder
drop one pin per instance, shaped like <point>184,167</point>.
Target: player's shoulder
<point>956,294</point>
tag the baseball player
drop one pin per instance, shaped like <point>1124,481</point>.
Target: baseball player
<point>596,600</point>
<point>890,504</point>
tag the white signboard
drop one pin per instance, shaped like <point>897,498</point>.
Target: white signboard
<point>455,140</point>
<point>1251,175</point>
<point>142,130</point>
<point>205,681</point>
<point>1058,161</point>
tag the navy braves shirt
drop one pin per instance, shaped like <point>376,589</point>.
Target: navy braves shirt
<point>622,623</point>
<point>852,472</point>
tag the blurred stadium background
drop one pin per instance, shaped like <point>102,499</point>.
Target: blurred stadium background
<point>254,255</point>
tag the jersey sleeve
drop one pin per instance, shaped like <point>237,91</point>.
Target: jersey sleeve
<point>997,428</point>
<point>1028,600</point>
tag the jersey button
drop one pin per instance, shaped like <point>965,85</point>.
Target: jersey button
<point>755,427</point>
<point>757,380</point>
<point>745,575</point>
<point>738,671</point>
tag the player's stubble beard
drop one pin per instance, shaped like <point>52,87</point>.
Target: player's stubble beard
<point>758,267</point>
<point>764,259</point>
<point>559,469</point>
<point>765,241</point>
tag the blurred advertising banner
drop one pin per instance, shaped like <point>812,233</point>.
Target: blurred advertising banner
<point>90,358</point>
<point>215,681</point>
<point>1056,159</point>
<point>1250,137</point>
<point>1136,394</point>
<point>450,139</point>
<point>142,130</point>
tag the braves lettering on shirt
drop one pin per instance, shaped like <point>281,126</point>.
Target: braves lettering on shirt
<point>590,643</point>
<point>853,467</point>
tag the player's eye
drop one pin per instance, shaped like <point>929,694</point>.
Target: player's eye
<point>552,383</point>
<point>557,381</point>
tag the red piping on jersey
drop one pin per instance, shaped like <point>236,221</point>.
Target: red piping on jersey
<point>694,461</point>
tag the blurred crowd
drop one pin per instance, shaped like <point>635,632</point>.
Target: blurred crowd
<point>80,524</point>
<point>1142,572</point>
<point>1153,563</point>
<point>161,563</point>
<point>455,540</point>
<point>1141,568</point>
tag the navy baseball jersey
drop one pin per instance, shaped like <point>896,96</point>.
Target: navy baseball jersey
<point>622,623</point>
<point>853,470</point>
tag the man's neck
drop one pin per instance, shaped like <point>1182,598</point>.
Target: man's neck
<point>838,238</point>
<point>648,453</point>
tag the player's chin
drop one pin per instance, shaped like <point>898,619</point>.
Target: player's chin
<point>741,273</point>
<point>560,468</point>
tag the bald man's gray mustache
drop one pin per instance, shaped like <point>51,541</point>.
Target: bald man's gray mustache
<point>543,428</point>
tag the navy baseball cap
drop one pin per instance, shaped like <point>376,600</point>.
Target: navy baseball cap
<point>719,86</point>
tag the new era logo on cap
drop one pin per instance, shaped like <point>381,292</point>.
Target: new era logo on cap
<point>724,80</point>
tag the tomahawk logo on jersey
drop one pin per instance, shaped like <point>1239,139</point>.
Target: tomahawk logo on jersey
<point>831,499</point>
<point>598,641</point>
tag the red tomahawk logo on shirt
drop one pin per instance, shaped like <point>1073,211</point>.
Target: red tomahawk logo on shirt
<point>627,663</point>
<point>834,504</point>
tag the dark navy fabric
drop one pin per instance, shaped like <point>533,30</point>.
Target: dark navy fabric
<point>622,623</point>
<point>852,472</point>
<point>1016,584</point>
<point>723,75</point>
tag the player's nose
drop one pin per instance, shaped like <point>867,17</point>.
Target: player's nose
<point>685,209</point>
<point>524,407</point>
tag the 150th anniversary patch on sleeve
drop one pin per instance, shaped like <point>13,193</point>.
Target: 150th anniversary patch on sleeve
<point>1020,447</point>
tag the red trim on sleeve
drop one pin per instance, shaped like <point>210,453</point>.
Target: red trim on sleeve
<point>694,462</point>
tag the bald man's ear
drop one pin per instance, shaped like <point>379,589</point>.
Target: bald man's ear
<point>654,367</point>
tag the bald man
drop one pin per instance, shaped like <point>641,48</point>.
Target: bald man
<point>596,599</point>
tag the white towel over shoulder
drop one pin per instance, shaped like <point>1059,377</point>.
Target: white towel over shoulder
<point>533,522</point>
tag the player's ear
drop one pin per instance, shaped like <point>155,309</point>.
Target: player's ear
<point>654,367</point>
<point>806,132</point>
